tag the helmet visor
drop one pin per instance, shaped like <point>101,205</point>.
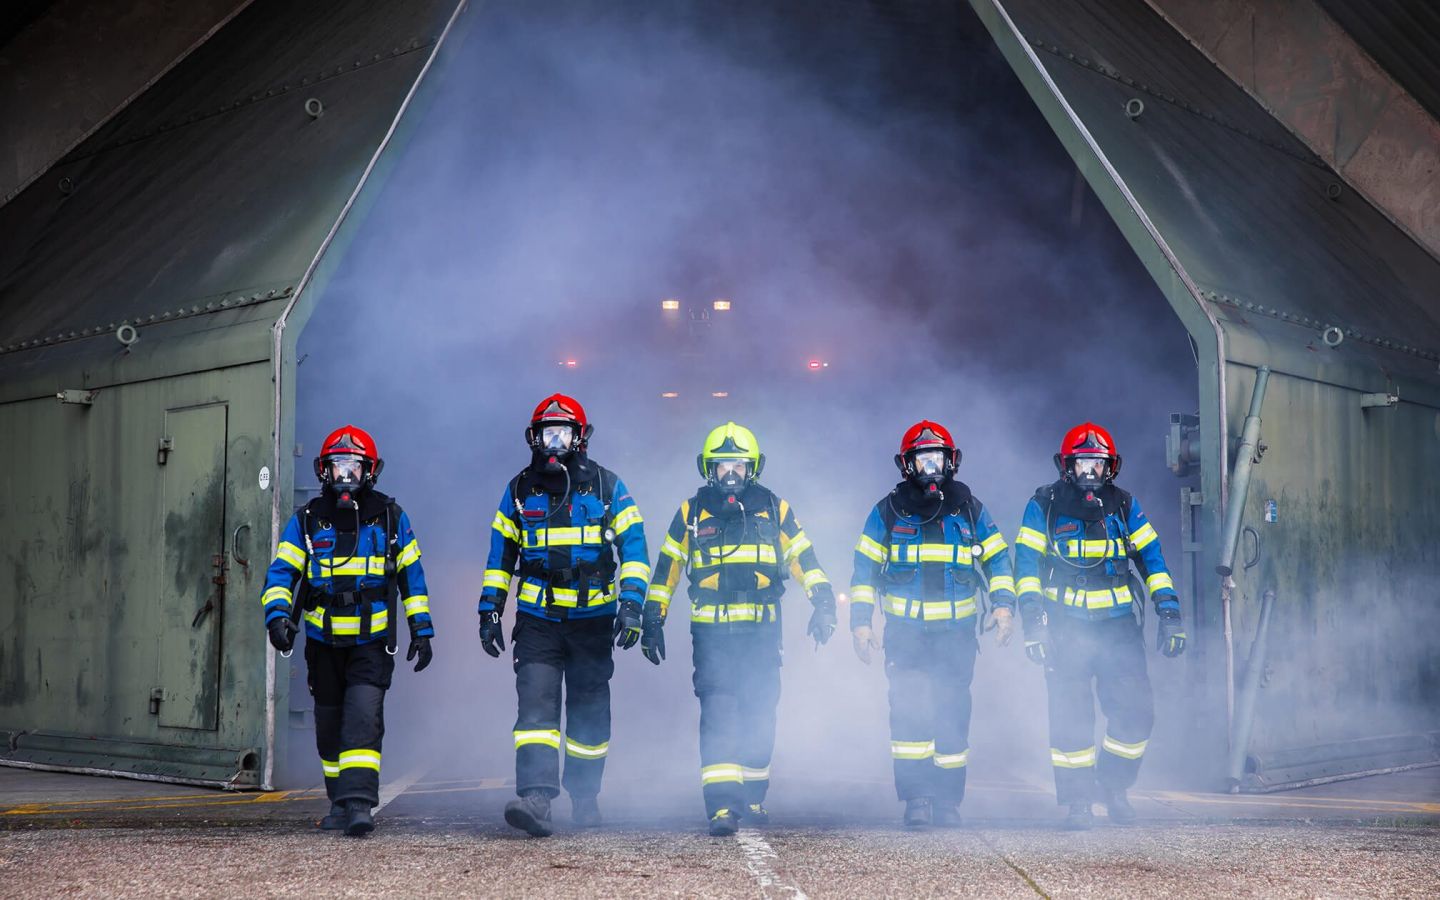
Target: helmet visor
<point>347,469</point>
<point>1090,469</point>
<point>557,438</point>
<point>930,463</point>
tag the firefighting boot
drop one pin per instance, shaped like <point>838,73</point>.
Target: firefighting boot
<point>724,823</point>
<point>1080,818</point>
<point>1117,806</point>
<point>585,812</point>
<point>757,814</point>
<point>358,820</point>
<point>947,815</point>
<point>336,819</point>
<point>918,813</point>
<point>530,813</point>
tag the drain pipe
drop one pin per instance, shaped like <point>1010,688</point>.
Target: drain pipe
<point>1250,694</point>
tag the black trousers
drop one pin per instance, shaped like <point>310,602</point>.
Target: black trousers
<point>575,654</point>
<point>930,673</point>
<point>737,678</point>
<point>349,685</point>
<point>1110,653</point>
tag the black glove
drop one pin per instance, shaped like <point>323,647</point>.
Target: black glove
<point>1170,637</point>
<point>420,646</point>
<point>652,632</point>
<point>492,636</point>
<point>1037,632</point>
<point>282,633</point>
<point>628,621</point>
<point>822,620</point>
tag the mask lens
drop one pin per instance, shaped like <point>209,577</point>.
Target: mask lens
<point>729,469</point>
<point>346,469</point>
<point>930,462</point>
<point>557,437</point>
<point>1090,468</point>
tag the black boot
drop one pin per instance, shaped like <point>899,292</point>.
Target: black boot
<point>1080,818</point>
<point>918,814</point>
<point>358,820</point>
<point>336,819</point>
<point>531,814</point>
<point>724,823</point>
<point>757,814</point>
<point>1117,806</point>
<point>947,815</point>
<point>585,811</point>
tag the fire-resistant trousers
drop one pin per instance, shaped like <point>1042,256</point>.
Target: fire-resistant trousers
<point>737,678</point>
<point>1111,654</point>
<point>348,685</point>
<point>930,670</point>
<point>575,654</point>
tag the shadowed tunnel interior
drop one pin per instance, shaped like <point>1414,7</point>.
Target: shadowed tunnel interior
<point>871,189</point>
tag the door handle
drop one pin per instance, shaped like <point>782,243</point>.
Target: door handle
<point>235,547</point>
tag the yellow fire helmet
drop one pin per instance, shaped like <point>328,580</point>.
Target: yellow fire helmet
<point>731,441</point>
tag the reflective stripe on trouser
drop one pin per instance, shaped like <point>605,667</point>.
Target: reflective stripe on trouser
<point>737,678</point>
<point>349,684</point>
<point>574,655</point>
<point>929,674</point>
<point>1110,653</point>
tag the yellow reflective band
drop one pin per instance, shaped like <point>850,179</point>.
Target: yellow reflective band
<point>912,749</point>
<point>532,593</point>
<point>569,536</point>
<point>1029,537</point>
<point>1108,549</point>
<point>932,553</point>
<point>734,554</point>
<point>542,737</point>
<point>1029,585</point>
<point>278,592</point>
<point>798,545</point>
<point>291,554</point>
<point>814,577</point>
<point>1080,759</point>
<point>1159,582</point>
<point>992,545</point>
<point>673,549</point>
<point>409,556</point>
<point>506,527</point>
<point>348,625</point>
<point>868,547</point>
<point>586,751</point>
<point>1101,598</point>
<point>721,772</point>
<point>1143,536</point>
<point>750,774</point>
<point>928,610</point>
<point>638,570</point>
<point>733,612</point>
<point>1120,748</point>
<point>419,603</point>
<point>1002,583</point>
<point>498,579</point>
<point>360,759</point>
<point>625,518</point>
<point>952,760</point>
<point>354,565</point>
<point>659,593</point>
<point>330,767</point>
<point>862,593</point>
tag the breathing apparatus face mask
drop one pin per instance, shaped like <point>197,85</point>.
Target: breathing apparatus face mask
<point>553,446</point>
<point>730,475</point>
<point>927,470</point>
<point>1089,471</point>
<point>346,477</point>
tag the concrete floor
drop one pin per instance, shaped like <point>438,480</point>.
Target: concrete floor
<point>80,835</point>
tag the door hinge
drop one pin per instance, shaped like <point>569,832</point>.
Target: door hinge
<point>162,455</point>
<point>156,696</point>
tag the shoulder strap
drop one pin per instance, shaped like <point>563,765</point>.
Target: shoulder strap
<point>887,514</point>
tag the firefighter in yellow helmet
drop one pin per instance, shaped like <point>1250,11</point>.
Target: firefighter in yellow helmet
<point>736,539</point>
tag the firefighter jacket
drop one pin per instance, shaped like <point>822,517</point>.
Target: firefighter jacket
<point>1077,553</point>
<point>335,560</point>
<point>737,554</point>
<point>562,543</point>
<point>928,565</point>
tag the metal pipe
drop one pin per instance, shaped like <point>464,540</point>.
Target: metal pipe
<point>1240,481</point>
<point>1250,693</point>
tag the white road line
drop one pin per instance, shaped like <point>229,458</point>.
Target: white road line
<point>397,787</point>
<point>758,854</point>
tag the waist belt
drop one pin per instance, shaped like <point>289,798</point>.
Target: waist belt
<point>712,607</point>
<point>344,602</point>
<point>580,575</point>
<point>1060,577</point>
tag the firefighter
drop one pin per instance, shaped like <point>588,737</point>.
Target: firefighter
<point>560,525</point>
<point>1078,602</point>
<point>928,555</point>
<point>343,562</point>
<point>736,539</point>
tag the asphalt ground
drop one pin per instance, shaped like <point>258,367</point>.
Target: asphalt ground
<point>67,835</point>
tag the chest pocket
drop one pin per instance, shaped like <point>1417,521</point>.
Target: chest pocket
<point>903,559</point>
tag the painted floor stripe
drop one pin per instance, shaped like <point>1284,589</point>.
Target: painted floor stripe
<point>397,787</point>
<point>758,854</point>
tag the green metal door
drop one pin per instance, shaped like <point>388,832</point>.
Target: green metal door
<point>192,599</point>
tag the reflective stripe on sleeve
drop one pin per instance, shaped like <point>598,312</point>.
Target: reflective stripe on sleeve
<point>278,593</point>
<point>499,579</point>
<point>625,519</point>
<point>992,545</point>
<point>673,549</point>
<point>1002,583</point>
<point>1031,538</point>
<point>868,546</point>
<point>638,570</point>
<point>1159,581</point>
<point>862,593</point>
<point>798,545</point>
<point>1143,536</point>
<point>291,554</point>
<point>409,555</point>
<point>419,603</point>
<point>506,527</point>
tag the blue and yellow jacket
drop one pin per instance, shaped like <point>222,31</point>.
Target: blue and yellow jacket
<point>927,568</point>
<point>1077,555</point>
<point>562,544</point>
<point>345,569</point>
